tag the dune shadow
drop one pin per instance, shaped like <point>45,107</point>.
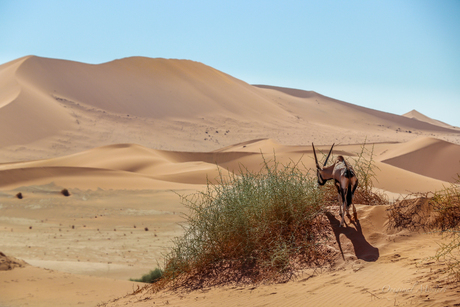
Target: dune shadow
<point>363,249</point>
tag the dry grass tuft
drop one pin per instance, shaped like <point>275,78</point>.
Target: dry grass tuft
<point>364,166</point>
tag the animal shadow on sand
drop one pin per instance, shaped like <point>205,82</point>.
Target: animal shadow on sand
<point>363,249</point>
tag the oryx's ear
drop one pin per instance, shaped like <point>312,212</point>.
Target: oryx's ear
<point>325,162</point>
<point>316,159</point>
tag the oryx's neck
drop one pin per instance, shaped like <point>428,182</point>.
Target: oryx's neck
<point>328,172</point>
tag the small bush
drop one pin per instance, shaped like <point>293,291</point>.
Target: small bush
<point>447,205</point>
<point>19,195</point>
<point>364,166</point>
<point>65,192</point>
<point>251,227</point>
<point>151,277</point>
<point>439,212</point>
<point>451,252</point>
<point>427,211</point>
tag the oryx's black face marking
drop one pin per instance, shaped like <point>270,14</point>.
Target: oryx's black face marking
<point>321,180</point>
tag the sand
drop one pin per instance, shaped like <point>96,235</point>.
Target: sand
<point>127,137</point>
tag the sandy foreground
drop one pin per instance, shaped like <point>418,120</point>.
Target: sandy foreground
<point>85,247</point>
<point>125,158</point>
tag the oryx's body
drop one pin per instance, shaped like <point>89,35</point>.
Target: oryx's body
<point>344,180</point>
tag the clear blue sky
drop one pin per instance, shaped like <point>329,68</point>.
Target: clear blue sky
<point>393,56</point>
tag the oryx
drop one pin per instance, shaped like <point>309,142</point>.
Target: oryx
<point>344,179</point>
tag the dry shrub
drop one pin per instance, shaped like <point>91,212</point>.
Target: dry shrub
<point>364,166</point>
<point>451,252</point>
<point>427,211</point>
<point>438,212</point>
<point>414,212</point>
<point>447,204</point>
<point>65,192</point>
<point>252,227</point>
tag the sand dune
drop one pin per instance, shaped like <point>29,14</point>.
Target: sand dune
<point>429,157</point>
<point>123,166</point>
<point>128,166</point>
<point>421,117</point>
<point>334,112</point>
<point>50,108</point>
<point>126,137</point>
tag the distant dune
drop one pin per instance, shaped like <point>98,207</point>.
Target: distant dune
<point>419,116</point>
<point>52,107</point>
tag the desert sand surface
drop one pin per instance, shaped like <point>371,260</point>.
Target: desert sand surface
<point>128,137</point>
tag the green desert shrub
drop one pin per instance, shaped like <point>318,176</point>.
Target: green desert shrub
<point>250,227</point>
<point>151,277</point>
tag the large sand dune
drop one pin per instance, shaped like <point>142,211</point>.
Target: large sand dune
<point>125,137</point>
<point>50,108</point>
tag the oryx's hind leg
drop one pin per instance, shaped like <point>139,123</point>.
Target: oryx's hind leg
<point>342,213</point>
<point>355,214</point>
<point>348,213</point>
<point>347,207</point>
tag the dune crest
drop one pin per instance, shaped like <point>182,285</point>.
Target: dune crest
<point>421,117</point>
<point>50,108</point>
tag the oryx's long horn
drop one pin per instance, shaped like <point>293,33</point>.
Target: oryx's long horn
<point>314,152</point>
<point>325,162</point>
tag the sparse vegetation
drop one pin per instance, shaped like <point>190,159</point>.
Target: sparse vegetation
<point>364,166</point>
<point>258,226</point>
<point>151,277</point>
<point>438,211</point>
<point>447,205</point>
<point>251,227</point>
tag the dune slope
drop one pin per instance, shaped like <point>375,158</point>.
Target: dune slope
<point>429,157</point>
<point>50,108</point>
<point>129,166</point>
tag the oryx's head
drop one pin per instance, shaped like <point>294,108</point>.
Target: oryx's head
<point>319,169</point>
